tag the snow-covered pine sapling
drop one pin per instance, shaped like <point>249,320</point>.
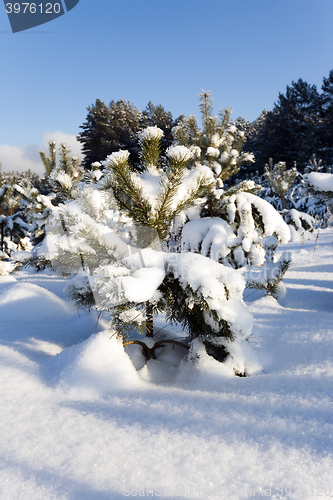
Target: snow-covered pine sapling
<point>280,179</point>
<point>154,197</point>
<point>269,277</point>
<point>150,199</point>
<point>225,232</point>
<point>300,221</point>
<point>13,229</point>
<point>119,230</point>
<point>320,184</point>
<point>62,176</point>
<point>63,172</point>
<point>235,237</point>
<point>217,144</point>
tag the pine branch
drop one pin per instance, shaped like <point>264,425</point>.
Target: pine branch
<point>126,191</point>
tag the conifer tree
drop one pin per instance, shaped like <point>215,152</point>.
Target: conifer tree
<point>13,229</point>
<point>320,184</point>
<point>123,260</point>
<point>292,130</point>
<point>280,179</point>
<point>234,235</point>
<point>109,128</point>
<point>269,277</point>
<point>62,171</point>
<point>155,212</point>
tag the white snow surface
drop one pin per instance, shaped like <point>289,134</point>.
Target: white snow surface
<point>320,181</point>
<point>142,285</point>
<point>83,419</point>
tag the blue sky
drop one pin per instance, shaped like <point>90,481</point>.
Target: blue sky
<point>245,51</point>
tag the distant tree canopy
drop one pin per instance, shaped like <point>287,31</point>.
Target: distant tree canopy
<point>299,125</point>
<point>110,128</point>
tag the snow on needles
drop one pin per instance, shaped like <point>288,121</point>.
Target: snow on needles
<point>151,133</point>
<point>211,236</point>
<point>179,153</point>
<point>220,286</point>
<point>320,181</point>
<point>117,158</point>
<point>272,220</point>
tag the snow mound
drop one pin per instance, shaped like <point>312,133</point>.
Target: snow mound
<point>95,367</point>
<point>204,371</point>
<point>320,181</point>
<point>32,302</point>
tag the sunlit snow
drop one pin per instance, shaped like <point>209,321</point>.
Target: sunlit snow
<point>84,419</point>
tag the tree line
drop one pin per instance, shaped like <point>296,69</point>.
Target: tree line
<point>299,125</point>
<point>109,128</point>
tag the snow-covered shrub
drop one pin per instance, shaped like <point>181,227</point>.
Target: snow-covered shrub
<point>114,240</point>
<point>299,223</point>
<point>320,184</point>
<point>304,209</point>
<point>13,227</point>
<point>269,276</point>
<point>280,179</point>
<point>7,265</point>
<point>232,221</point>
<point>62,176</point>
<point>63,172</point>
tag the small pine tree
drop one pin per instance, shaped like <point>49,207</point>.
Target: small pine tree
<point>269,277</point>
<point>13,228</point>
<point>125,255</point>
<point>218,145</point>
<point>62,172</point>
<point>280,179</point>
<point>320,184</point>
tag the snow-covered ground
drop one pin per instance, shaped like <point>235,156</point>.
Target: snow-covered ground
<point>79,422</point>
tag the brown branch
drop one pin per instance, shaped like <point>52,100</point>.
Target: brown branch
<point>149,352</point>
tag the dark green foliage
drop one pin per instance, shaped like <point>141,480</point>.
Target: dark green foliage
<point>110,128</point>
<point>290,132</point>
<point>159,117</point>
<point>187,307</point>
<point>299,125</point>
<point>81,293</point>
<point>326,130</point>
<point>218,352</point>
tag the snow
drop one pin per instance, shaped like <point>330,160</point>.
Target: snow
<point>211,279</point>
<point>210,236</point>
<point>142,285</point>
<point>213,151</point>
<point>320,181</point>
<point>79,422</point>
<point>6,267</point>
<point>150,182</point>
<point>272,220</point>
<point>117,158</point>
<point>62,178</point>
<point>151,133</point>
<point>179,153</point>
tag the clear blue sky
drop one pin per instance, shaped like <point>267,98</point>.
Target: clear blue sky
<point>245,51</point>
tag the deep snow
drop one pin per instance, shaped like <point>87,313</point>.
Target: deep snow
<point>79,422</point>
